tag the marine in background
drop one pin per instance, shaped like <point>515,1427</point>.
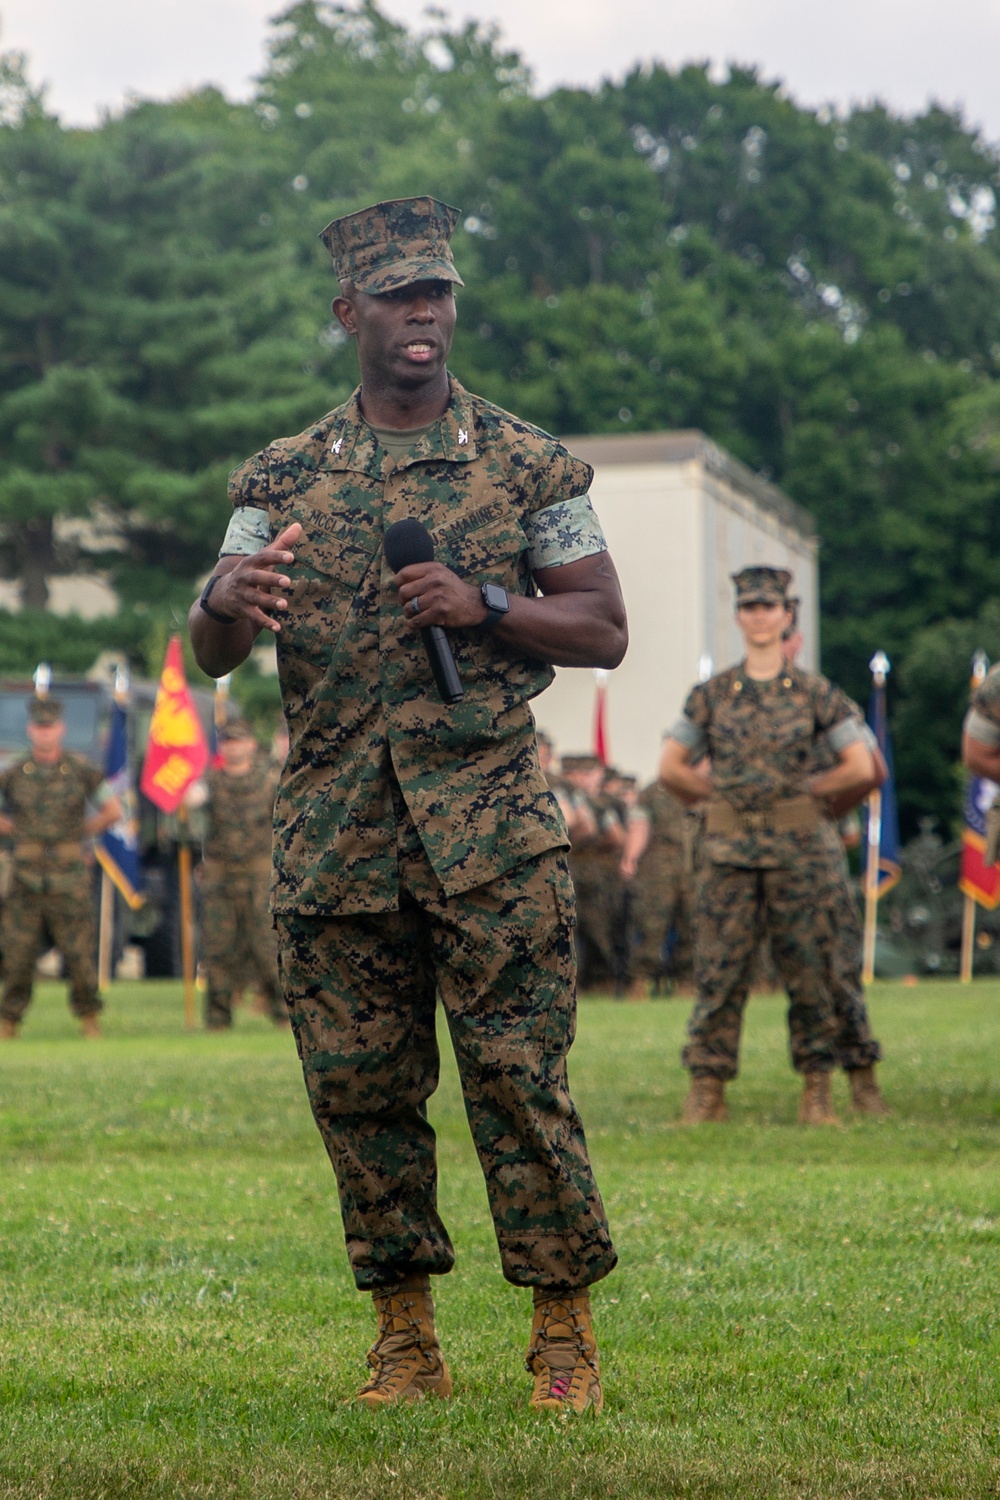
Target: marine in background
<point>764,868</point>
<point>657,867</point>
<point>45,797</point>
<point>238,943</point>
<point>596,824</point>
<point>858,1050</point>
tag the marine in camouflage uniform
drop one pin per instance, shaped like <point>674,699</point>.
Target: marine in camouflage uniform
<point>418,848</point>
<point>45,796</point>
<point>594,860</point>
<point>661,886</point>
<point>238,943</point>
<point>764,864</point>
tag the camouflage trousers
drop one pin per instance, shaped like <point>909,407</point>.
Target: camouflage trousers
<point>238,944</point>
<point>661,903</point>
<point>855,1045</point>
<point>600,905</point>
<point>32,917</point>
<point>734,908</point>
<point>361,995</point>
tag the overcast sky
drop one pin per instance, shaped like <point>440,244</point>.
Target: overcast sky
<point>94,53</point>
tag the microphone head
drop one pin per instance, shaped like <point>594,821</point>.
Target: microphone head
<point>406,542</point>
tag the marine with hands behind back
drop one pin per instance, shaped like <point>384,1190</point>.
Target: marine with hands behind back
<point>45,795</point>
<point>418,848</point>
<point>763,867</point>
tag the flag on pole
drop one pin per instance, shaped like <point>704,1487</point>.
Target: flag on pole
<point>176,751</point>
<point>886,832</point>
<point>602,748</point>
<point>117,849</point>
<point>976,878</point>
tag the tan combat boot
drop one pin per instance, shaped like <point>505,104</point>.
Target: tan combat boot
<point>816,1105</point>
<point>562,1354</point>
<point>405,1358</point>
<point>706,1101</point>
<point>91,1028</point>
<point>866,1096</point>
<point>8,1029</point>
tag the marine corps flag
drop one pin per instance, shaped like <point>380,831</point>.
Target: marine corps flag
<point>176,751</point>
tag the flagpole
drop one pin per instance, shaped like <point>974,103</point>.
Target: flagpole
<point>879,666</point>
<point>106,932</point>
<point>871,885</point>
<point>187,918</point>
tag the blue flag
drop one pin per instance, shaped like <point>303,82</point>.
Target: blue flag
<point>889,869</point>
<point>118,848</point>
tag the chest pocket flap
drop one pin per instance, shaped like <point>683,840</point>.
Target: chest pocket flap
<point>489,541</point>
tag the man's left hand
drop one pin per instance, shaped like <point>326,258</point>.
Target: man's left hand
<point>443,598</point>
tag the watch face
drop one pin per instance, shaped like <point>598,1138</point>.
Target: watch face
<point>495,597</point>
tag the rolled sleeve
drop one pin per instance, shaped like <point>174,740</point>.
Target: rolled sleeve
<point>694,740</point>
<point>563,533</point>
<point>249,531</point>
<point>847,732</point>
<point>978,727</point>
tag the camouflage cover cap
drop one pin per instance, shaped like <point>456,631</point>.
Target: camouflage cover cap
<point>44,711</point>
<point>236,729</point>
<point>762,585</point>
<point>580,762</point>
<point>394,244</point>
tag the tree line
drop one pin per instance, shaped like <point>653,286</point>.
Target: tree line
<point>819,293</point>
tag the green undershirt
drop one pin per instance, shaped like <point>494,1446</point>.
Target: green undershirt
<point>397,441</point>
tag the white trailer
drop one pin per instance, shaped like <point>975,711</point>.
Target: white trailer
<point>681,515</point>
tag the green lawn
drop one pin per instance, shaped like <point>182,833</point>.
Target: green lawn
<point>796,1313</point>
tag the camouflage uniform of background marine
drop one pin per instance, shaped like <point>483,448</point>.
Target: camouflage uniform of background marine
<point>417,846</point>
<point>982,722</point>
<point>51,895</point>
<point>662,888</point>
<point>238,944</point>
<point>765,865</point>
<point>594,867</point>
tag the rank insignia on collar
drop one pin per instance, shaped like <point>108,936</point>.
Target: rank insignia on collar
<point>463,437</point>
<point>336,447</point>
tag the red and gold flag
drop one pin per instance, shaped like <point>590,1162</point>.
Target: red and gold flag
<point>177,750</point>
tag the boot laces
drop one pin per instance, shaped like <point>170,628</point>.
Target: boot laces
<point>560,1346</point>
<point>395,1344</point>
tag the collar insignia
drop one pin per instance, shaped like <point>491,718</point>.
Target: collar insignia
<point>337,446</point>
<point>463,437</point>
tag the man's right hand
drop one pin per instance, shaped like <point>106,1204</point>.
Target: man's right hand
<point>253,585</point>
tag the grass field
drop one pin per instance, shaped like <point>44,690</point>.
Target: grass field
<point>796,1313</point>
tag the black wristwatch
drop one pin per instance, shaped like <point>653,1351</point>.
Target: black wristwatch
<point>214,614</point>
<point>497,602</point>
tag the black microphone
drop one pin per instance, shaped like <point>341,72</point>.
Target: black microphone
<point>408,542</point>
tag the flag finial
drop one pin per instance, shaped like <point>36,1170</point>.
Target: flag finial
<point>880,666</point>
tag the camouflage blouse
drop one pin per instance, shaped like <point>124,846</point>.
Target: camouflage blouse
<point>47,804</point>
<point>762,739</point>
<point>240,814</point>
<point>500,499</point>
